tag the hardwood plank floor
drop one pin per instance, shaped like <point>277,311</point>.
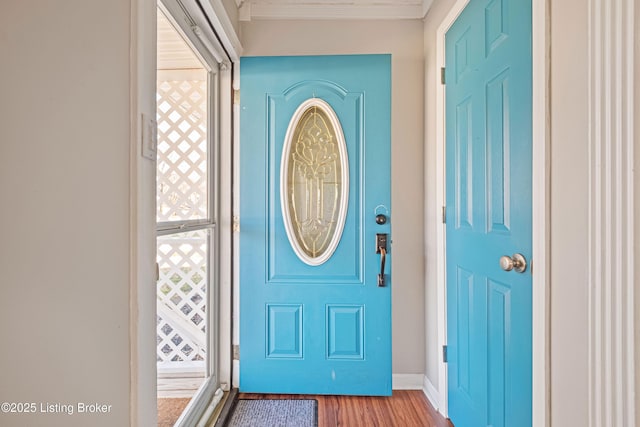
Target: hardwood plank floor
<point>406,408</point>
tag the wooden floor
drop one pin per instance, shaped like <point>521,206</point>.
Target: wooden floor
<point>406,408</point>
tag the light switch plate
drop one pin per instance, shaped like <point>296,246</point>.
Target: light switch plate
<point>149,137</point>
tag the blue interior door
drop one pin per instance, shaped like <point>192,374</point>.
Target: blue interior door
<point>488,162</point>
<point>314,321</point>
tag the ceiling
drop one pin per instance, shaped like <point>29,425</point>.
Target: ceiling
<point>332,9</point>
<point>173,52</point>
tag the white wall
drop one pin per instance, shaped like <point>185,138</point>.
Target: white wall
<point>64,220</point>
<point>404,40</point>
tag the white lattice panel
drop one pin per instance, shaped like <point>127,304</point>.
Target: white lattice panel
<point>182,149</point>
<point>181,326</point>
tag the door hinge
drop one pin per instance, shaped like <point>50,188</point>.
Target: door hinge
<point>444,214</point>
<point>442,78</point>
<point>236,223</point>
<point>236,352</point>
<point>445,358</point>
<point>236,97</point>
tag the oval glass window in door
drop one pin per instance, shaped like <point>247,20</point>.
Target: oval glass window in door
<point>314,181</point>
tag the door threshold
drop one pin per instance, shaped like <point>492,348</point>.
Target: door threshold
<point>224,414</point>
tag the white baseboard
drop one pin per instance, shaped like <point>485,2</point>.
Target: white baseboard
<point>407,381</point>
<point>432,393</point>
<point>399,381</point>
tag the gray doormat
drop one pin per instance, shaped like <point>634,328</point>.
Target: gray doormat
<point>275,413</point>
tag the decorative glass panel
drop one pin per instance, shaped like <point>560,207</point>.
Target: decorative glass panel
<point>314,181</point>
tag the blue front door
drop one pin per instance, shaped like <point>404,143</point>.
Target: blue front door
<point>489,211</point>
<point>315,314</point>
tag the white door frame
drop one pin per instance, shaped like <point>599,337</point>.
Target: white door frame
<point>540,226</point>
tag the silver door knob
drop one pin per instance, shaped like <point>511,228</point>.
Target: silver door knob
<point>517,262</point>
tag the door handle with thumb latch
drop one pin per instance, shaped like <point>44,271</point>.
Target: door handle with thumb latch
<point>383,256</point>
<point>381,248</point>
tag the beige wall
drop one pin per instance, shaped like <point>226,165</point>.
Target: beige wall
<point>637,202</point>
<point>232,12</point>
<point>403,39</point>
<point>64,221</point>
<point>64,186</point>
<point>569,213</point>
<point>433,220</point>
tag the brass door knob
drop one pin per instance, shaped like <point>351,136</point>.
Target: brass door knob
<point>517,262</point>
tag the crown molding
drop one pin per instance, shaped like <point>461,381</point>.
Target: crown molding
<point>359,11</point>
